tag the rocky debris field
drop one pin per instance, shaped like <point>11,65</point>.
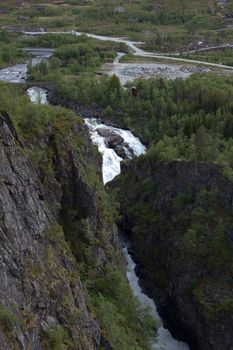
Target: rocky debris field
<point>166,71</point>
<point>130,71</point>
<point>195,69</point>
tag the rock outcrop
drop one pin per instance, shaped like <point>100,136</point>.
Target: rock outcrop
<point>179,219</point>
<point>116,142</point>
<point>58,233</point>
<point>42,301</point>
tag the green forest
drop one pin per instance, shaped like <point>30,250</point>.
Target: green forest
<point>170,201</point>
<point>178,119</point>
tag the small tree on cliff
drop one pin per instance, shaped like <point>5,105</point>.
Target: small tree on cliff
<point>204,145</point>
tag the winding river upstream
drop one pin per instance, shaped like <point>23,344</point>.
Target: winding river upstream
<point>125,71</point>
<point>133,45</point>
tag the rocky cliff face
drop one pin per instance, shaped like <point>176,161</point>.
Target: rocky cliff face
<point>70,171</point>
<point>42,301</point>
<point>179,218</point>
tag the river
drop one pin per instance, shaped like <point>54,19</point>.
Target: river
<point>125,71</point>
<point>133,45</point>
<point>18,72</point>
<point>163,339</point>
<point>111,167</point>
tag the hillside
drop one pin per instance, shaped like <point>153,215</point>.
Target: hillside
<point>134,88</point>
<point>58,230</point>
<point>178,217</point>
<point>164,25</point>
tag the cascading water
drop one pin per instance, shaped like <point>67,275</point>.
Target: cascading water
<point>111,161</point>
<point>37,95</point>
<point>163,339</point>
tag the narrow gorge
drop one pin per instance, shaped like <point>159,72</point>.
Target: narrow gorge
<point>116,201</point>
<point>111,167</point>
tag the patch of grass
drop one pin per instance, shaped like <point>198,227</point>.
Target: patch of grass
<point>56,336</point>
<point>8,320</point>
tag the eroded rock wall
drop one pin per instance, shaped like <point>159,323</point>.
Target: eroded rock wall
<point>41,296</point>
<point>179,219</point>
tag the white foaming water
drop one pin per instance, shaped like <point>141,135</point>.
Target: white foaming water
<point>111,161</point>
<point>37,95</point>
<point>163,339</point>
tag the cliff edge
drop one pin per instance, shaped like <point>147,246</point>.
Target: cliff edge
<point>179,218</point>
<point>42,298</point>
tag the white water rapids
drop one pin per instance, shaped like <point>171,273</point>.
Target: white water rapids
<point>37,95</point>
<point>163,339</point>
<point>111,161</point>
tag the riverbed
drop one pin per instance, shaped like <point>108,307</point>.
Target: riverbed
<point>175,67</point>
<point>18,72</point>
<point>163,339</point>
<point>111,167</point>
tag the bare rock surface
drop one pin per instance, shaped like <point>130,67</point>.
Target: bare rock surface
<point>38,273</point>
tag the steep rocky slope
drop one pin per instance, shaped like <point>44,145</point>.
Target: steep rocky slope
<point>42,298</point>
<point>179,218</point>
<point>66,266</point>
<point>69,168</point>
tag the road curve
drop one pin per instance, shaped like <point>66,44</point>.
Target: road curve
<point>137,51</point>
<point>209,48</point>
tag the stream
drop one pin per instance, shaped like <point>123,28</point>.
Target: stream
<point>163,339</point>
<point>133,45</point>
<point>18,72</point>
<point>125,71</point>
<point>111,167</point>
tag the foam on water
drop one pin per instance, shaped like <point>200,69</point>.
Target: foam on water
<point>37,95</point>
<point>163,339</point>
<point>111,161</point>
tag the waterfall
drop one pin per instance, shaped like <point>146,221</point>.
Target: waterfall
<point>111,167</point>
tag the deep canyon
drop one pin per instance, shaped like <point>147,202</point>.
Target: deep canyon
<point>71,187</point>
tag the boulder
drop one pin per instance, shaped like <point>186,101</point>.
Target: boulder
<point>120,151</point>
<point>104,132</point>
<point>113,141</point>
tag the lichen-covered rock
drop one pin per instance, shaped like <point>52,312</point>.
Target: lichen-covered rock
<point>42,300</point>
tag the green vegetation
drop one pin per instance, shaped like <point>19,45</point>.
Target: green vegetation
<point>181,119</point>
<point>110,297</point>
<point>165,26</point>
<point>185,120</point>
<point>8,320</point>
<point>221,56</point>
<point>125,323</point>
<point>181,209</point>
<point>9,52</point>
<point>73,56</point>
<point>56,336</point>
